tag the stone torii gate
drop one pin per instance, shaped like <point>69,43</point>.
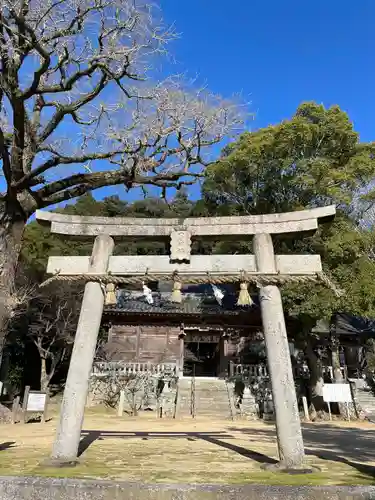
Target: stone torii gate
<point>264,268</point>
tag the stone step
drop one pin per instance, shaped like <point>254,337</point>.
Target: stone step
<point>211,398</point>
<point>366,400</point>
<point>366,396</point>
<point>219,409</point>
<point>210,403</point>
<point>210,394</point>
<point>205,392</point>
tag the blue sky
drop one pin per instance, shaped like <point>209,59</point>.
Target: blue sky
<point>278,53</point>
<point>281,52</point>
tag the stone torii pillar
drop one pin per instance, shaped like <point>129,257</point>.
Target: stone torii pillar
<point>65,448</point>
<point>288,425</point>
<point>264,268</point>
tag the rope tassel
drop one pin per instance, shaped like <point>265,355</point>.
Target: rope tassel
<point>110,295</point>
<point>176,293</point>
<point>244,298</point>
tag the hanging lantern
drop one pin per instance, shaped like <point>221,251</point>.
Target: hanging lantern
<point>110,295</point>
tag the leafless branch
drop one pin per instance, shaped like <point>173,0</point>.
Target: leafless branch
<point>74,88</point>
<point>52,319</point>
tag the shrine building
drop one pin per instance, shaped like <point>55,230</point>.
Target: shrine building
<point>200,336</point>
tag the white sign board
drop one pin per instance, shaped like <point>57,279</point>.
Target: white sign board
<point>337,393</point>
<point>36,401</point>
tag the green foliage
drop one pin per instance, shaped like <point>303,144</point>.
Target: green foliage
<point>315,158</point>
<point>14,378</point>
<point>370,355</point>
<point>39,243</point>
<point>345,251</point>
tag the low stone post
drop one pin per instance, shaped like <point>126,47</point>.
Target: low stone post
<point>288,424</point>
<point>65,448</point>
<point>180,367</point>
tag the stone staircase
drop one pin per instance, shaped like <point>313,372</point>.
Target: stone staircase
<point>364,398</point>
<point>211,398</point>
<point>214,399</point>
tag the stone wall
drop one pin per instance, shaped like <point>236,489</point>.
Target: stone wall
<point>22,488</point>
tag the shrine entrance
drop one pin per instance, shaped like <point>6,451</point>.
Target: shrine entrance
<point>203,354</point>
<point>264,270</point>
<point>202,359</point>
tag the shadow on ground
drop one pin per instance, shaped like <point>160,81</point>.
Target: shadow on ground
<point>89,437</point>
<point>348,445</point>
<point>7,445</point>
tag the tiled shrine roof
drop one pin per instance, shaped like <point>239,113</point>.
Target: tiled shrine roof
<point>196,300</point>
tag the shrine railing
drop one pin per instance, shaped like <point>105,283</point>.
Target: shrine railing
<point>251,371</point>
<point>328,370</point>
<point>122,368</point>
<point>261,370</point>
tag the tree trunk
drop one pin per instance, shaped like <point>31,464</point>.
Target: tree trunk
<point>12,225</point>
<point>316,378</point>
<point>44,377</point>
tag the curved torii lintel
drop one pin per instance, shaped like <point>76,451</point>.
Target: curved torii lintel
<point>288,222</point>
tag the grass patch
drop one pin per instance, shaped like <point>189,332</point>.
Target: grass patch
<point>156,459</point>
<point>96,471</point>
<point>167,467</point>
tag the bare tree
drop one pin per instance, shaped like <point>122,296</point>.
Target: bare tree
<point>137,387</point>
<point>53,321</point>
<point>78,110</point>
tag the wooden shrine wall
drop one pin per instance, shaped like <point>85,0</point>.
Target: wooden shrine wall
<point>144,343</point>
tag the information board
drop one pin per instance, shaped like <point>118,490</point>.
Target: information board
<point>337,393</point>
<point>36,401</point>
